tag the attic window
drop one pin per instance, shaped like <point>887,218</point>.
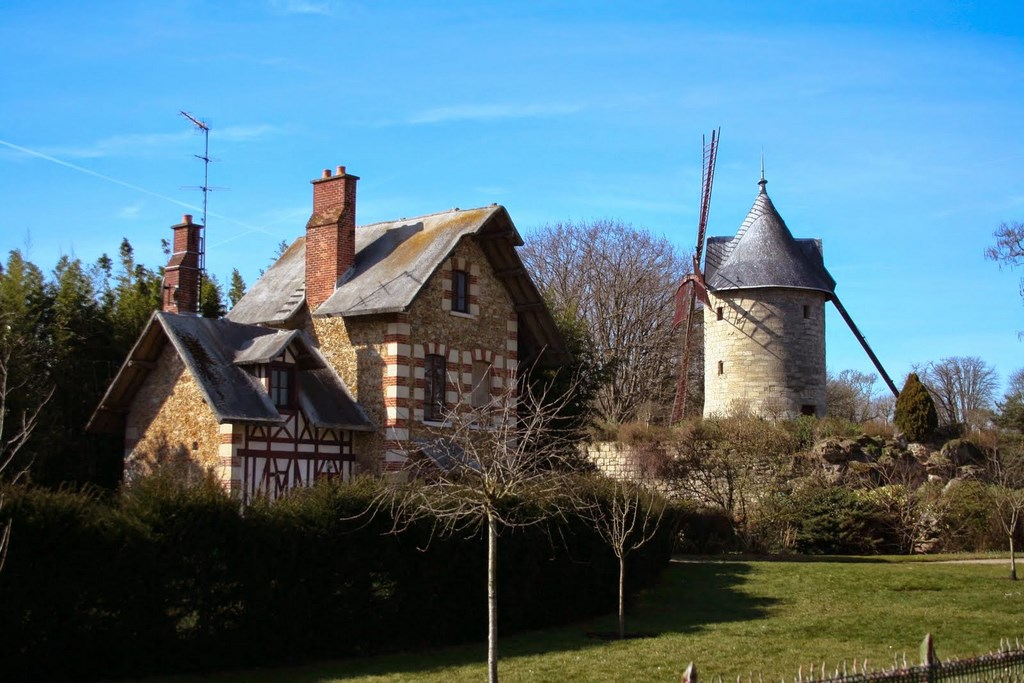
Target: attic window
<point>282,383</point>
<point>460,291</point>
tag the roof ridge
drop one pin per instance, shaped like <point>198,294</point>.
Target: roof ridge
<point>429,215</point>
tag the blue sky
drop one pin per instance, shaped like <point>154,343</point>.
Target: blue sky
<point>892,131</point>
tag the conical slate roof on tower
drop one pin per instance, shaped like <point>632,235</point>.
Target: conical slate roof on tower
<point>765,254</point>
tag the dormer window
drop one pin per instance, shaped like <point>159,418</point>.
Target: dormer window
<point>460,291</point>
<point>282,386</point>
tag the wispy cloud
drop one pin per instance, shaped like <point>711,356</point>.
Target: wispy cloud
<point>490,112</point>
<point>119,145</point>
<point>67,164</point>
<point>243,133</point>
<point>323,7</point>
<point>139,144</point>
<point>131,212</point>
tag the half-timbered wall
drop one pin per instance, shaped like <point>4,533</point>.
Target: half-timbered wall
<point>269,460</point>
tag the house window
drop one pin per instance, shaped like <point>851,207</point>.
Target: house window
<point>460,291</point>
<point>719,313</point>
<point>721,367</point>
<point>481,395</point>
<point>807,311</point>
<point>434,372</point>
<point>282,381</point>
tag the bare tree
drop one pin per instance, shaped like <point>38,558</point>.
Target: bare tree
<point>961,386</point>
<point>494,466</point>
<point>1007,495</point>
<point>13,436</point>
<point>852,395</point>
<point>728,463</point>
<point>900,495</point>
<point>1009,248</point>
<point>1015,384</point>
<point>621,281</point>
<point>626,525</point>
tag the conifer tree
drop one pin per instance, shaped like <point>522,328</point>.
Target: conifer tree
<point>237,290</point>
<point>211,297</point>
<point>915,410</point>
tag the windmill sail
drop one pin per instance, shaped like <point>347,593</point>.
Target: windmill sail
<point>692,286</point>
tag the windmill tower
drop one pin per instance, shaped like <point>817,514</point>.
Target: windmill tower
<point>764,319</point>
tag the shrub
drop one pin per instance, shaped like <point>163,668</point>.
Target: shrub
<point>965,519</point>
<point>915,410</point>
<point>170,577</point>
<point>823,520</point>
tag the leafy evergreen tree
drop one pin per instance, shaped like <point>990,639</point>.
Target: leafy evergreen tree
<point>573,385</point>
<point>135,296</point>
<point>1011,408</point>
<point>24,344</point>
<point>915,410</point>
<point>211,298</point>
<point>237,290</point>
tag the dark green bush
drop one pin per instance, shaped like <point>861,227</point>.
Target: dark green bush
<point>915,411</point>
<point>169,578</point>
<point>819,519</point>
<point>966,520</point>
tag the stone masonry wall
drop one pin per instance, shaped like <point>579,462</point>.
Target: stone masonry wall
<point>488,333</point>
<point>381,358</point>
<point>356,348</point>
<point>169,422</point>
<point>764,355</point>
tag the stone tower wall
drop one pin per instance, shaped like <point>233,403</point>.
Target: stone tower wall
<point>766,354</point>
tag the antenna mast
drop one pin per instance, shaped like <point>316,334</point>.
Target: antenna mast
<point>205,189</point>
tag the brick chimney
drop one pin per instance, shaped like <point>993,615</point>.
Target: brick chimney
<point>330,235</point>
<point>181,277</point>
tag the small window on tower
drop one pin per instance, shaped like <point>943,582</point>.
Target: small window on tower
<point>807,409</point>
<point>460,291</point>
<point>721,367</point>
<point>719,313</point>
<point>807,311</point>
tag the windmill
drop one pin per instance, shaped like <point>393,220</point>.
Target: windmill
<point>692,285</point>
<point>764,294</point>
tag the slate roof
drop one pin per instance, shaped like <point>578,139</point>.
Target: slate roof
<point>216,353</point>
<point>393,262</point>
<point>765,254</point>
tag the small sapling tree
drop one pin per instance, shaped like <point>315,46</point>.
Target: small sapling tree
<point>1006,492</point>
<point>494,465</point>
<point>626,517</point>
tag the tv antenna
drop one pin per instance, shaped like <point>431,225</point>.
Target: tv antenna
<point>205,189</point>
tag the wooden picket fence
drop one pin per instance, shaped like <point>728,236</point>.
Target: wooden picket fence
<point>1004,666</point>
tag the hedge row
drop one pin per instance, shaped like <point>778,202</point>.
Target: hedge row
<point>166,579</point>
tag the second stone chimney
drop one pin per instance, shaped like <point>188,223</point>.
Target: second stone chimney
<point>330,235</point>
<point>181,276</point>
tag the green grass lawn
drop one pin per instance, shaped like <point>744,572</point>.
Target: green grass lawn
<point>732,618</point>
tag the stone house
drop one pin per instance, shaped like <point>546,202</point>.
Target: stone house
<point>344,357</point>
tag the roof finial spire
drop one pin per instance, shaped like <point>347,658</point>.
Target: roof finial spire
<point>762,182</point>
